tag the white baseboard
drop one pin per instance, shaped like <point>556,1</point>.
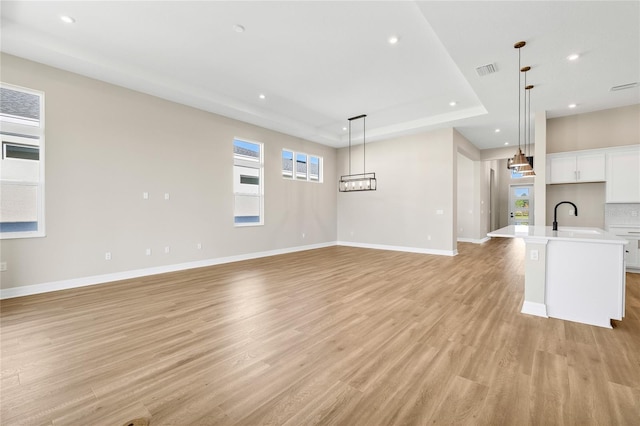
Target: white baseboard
<point>473,240</point>
<point>399,248</point>
<point>534,308</point>
<point>28,290</point>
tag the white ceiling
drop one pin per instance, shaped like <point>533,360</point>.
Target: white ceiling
<point>319,63</point>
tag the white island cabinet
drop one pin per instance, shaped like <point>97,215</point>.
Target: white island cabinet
<point>574,274</point>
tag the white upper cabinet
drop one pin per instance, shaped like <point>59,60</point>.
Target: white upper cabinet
<point>623,175</point>
<point>575,167</point>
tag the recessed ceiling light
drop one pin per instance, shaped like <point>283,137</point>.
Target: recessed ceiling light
<point>572,105</point>
<point>573,57</point>
<point>67,19</point>
<point>238,28</point>
<point>453,103</point>
<point>344,129</point>
<point>506,143</point>
<point>497,130</point>
<point>261,96</point>
<point>393,39</point>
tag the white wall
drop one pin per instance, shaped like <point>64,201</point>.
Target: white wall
<point>588,197</point>
<point>473,214</point>
<point>106,145</point>
<point>599,129</point>
<point>415,206</point>
<point>416,179</point>
<point>466,199</point>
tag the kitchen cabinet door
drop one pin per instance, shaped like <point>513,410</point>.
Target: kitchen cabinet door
<point>623,176</point>
<point>562,169</point>
<point>590,167</point>
<point>632,251</point>
<point>577,167</point>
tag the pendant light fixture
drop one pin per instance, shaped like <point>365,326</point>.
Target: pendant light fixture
<point>527,169</point>
<point>519,159</point>
<point>362,181</point>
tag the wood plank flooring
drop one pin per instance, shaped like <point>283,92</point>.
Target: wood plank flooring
<point>334,336</point>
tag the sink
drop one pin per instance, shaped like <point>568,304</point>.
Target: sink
<point>579,231</point>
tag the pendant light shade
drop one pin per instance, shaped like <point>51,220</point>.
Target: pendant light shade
<point>518,160</point>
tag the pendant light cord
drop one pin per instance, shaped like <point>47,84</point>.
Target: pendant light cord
<point>525,116</point>
<point>519,99</point>
<point>364,145</point>
<point>349,146</point>
<point>530,130</point>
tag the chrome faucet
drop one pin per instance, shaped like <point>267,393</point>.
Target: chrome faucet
<point>555,213</point>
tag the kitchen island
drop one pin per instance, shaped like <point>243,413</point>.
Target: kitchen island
<point>574,274</point>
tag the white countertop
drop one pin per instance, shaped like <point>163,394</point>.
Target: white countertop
<point>578,234</point>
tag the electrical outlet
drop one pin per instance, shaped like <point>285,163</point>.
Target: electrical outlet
<point>147,252</point>
<point>199,246</point>
<point>107,256</point>
<point>534,254</point>
<point>145,195</point>
<point>3,266</point>
<point>166,196</point>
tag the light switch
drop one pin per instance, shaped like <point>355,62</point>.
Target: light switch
<point>166,195</point>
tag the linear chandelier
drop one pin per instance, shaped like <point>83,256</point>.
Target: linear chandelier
<point>360,181</point>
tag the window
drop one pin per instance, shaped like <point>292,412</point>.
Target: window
<point>306,167</point>
<point>248,183</point>
<point>301,166</point>
<point>314,168</point>
<point>287,163</point>
<point>22,169</point>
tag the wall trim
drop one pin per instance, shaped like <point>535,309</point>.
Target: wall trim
<point>28,290</point>
<point>399,248</point>
<point>534,308</point>
<point>9,293</point>
<point>473,240</point>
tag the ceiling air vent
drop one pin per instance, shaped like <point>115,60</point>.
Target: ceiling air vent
<point>486,69</point>
<point>624,86</point>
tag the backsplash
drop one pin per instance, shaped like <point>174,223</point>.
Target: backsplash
<point>621,214</point>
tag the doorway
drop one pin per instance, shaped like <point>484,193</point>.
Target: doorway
<point>521,205</point>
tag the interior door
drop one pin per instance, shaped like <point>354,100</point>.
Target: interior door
<point>521,205</point>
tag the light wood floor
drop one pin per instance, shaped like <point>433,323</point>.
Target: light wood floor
<point>338,335</point>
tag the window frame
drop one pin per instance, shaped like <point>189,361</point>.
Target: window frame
<point>244,161</point>
<point>294,175</point>
<point>15,130</point>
